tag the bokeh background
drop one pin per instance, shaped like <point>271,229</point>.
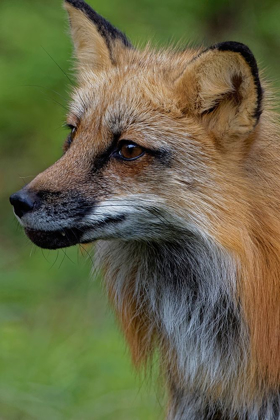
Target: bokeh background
<point>61,353</point>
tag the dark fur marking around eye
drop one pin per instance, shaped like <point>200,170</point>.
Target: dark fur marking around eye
<point>162,155</point>
<point>101,160</point>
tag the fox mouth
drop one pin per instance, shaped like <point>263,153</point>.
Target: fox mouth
<point>63,238</point>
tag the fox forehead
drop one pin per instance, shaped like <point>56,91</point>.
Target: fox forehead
<point>134,92</point>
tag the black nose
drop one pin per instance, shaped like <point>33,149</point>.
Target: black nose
<point>23,202</point>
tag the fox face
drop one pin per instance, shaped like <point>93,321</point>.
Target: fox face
<point>149,135</point>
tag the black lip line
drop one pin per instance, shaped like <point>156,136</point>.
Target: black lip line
<point>81,230</point>
<point>110,219</point>
<point>66,237</point>
<point>104,222</point>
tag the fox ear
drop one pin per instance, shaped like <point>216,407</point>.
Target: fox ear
<point>221,87</point>
<point>97,43</point>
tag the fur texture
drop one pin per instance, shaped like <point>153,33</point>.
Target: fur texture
<point>188,229</point>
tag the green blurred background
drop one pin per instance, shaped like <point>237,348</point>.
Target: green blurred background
<point>61,353</point>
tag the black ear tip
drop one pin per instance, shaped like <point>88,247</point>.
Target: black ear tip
<point>240,48</point>
<point>237,47</point>
<point>76,3</point>
<point>232,46</point>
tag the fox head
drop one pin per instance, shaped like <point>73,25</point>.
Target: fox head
<point>156,142</point>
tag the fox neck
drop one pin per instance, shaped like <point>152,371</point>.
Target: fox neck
<point>181,298</point>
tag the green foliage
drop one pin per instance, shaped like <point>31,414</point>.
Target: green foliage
<point>61,355</point>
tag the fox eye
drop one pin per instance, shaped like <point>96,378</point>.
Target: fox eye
<point>70,137</point>
<point>129,150</point>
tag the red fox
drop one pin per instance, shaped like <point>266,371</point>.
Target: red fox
<point>172,165</point>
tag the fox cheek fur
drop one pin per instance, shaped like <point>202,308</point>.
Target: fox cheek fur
<point>172,164</point>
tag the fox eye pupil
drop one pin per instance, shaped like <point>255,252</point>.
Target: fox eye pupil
<point>130,151</point>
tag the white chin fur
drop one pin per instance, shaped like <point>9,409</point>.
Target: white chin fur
<point>139,218</point>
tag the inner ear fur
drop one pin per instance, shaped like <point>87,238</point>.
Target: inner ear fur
<point>221,87</point>
<point>97,43</point>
